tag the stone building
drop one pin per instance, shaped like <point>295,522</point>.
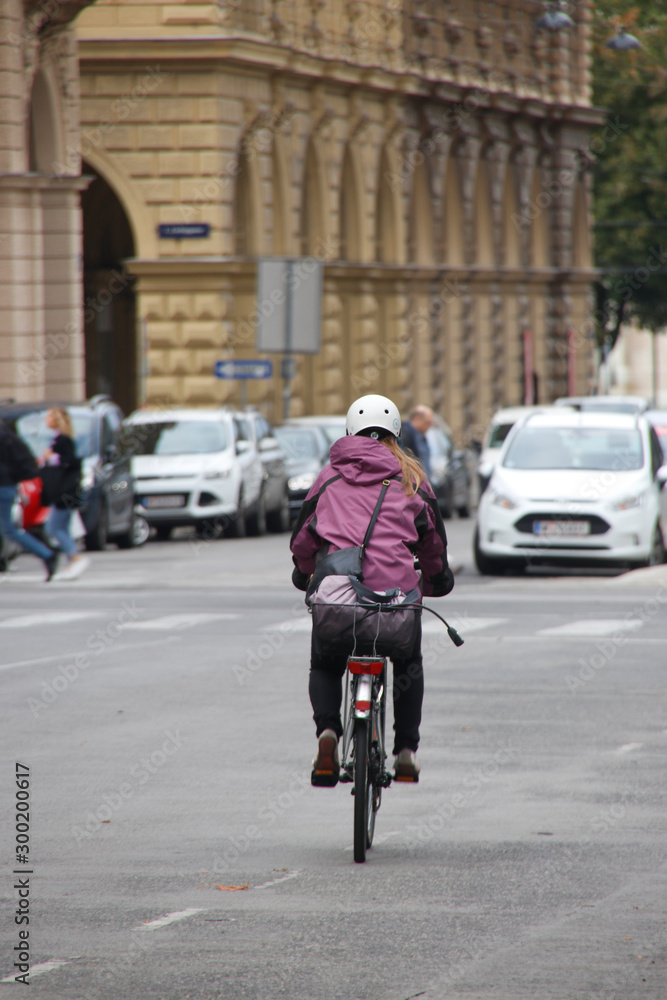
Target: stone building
<point>432,153</point>
<point>41,343</point>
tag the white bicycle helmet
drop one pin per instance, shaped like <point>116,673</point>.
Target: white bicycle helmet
<point>373,412</point>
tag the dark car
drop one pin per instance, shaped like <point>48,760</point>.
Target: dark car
<point>107,486</point>
<point>307,450</point>
<point>274,505</point>
<point>450,475</point>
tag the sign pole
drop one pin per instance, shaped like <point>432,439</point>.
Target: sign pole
<point>287,361</point>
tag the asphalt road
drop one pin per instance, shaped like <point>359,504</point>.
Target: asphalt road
<point>178,852</point>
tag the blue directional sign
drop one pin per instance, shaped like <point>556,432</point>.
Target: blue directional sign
<point>183,230</point>
<point>243,369</point>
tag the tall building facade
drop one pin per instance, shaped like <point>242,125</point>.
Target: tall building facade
<point>432,153</point>
<point>41,340</point>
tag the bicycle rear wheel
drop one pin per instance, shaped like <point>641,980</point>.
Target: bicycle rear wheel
<point>363,791</point>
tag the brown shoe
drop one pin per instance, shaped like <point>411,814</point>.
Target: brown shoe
<point>326,767</point>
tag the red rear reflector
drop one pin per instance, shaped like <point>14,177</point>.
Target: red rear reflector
<point>365,665</point>
<point>362,706</point>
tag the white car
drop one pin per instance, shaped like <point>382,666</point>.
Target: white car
<point>193,467</point>
<point>500,425</point>
<point>573,488</point>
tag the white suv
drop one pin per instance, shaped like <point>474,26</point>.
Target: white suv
<point>193,467</point>
<point>573,488</point>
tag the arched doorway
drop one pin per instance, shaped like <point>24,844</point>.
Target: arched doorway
<point>109,301</point>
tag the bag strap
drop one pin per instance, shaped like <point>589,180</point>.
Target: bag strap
<point>376,513</point>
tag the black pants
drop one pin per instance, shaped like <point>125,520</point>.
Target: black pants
<point>326,694</point>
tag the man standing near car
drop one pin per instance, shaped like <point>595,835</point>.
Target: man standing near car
<point>413,435</point>
<point>16,465</point>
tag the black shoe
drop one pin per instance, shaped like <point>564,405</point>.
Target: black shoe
<point>326,767</point>
<point>51,565</point>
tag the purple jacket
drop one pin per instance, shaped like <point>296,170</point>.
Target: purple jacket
<point>338,509</point>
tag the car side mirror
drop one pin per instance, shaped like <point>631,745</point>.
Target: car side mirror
<point>242,447</point>
<point>268,444</point>
<point>661,476</point>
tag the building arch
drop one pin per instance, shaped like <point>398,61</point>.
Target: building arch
<point>141,225</point>
<point>109,310</point>
<point>453,215</point>
<point>247,202</point>
<point>389,232</point>
<point>352,215</point>
<point>422,242</point>
<point>485,255</point>
<point>45,150</point>
<point>314,206</point>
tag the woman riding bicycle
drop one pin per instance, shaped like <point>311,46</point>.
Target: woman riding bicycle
<point>334,516</point>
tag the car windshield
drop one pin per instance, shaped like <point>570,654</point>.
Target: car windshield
<point>297,443</point>
<point>32,428</point>
<point>333,432</point>
<point>601,448</point>
<point>498,434</point>
<point>174,437</point>
<point>610,407</point>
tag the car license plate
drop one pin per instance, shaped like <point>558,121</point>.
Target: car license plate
<point>561,529</point>
<point>168,500</point>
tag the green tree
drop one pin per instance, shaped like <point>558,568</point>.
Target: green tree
<point>630,170</point>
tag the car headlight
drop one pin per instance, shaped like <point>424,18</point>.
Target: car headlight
<point>627,503</point>
<point>302,482</point>
<point>217,474</point>
<point>503,500</point>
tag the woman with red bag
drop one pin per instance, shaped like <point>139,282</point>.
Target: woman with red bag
<point>61,478</point>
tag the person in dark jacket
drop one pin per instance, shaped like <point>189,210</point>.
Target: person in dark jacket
<point>334,516</point>
<point>413,435</point>
<point>17,464</point>
<point>61,476</point>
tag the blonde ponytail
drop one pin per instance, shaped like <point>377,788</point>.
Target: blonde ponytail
<point>411,470</point>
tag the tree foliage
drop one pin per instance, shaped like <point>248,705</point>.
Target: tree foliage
<point>630,169</point>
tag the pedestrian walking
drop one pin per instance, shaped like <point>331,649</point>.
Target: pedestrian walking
<point>17,464</point>
<point>61,478</point>
<point>413,436</point>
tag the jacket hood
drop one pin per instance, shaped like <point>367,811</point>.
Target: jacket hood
<point>362,460</point>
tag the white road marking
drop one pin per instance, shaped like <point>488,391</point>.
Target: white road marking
<point>49,618</point>
<point>290,626</point>
<point>178,622</point>
<point>63,657</point>
<point>169,918</point>
<point>38,970</point>
<point>594,627</point>
<point>276,881</point>
<point>462,624</point>
<point>628,747</point>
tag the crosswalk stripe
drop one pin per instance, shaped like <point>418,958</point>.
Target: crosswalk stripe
<point>49,618</point>
<point>593,627</point>
<point>177,622</point>
<point>169,918</point>
<point>38,970</point>
<point>462,624</point>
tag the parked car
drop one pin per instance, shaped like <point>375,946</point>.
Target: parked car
<point>333,425</point>
<point>659,420</point>
<point>307,449</point>
<point>195,467</point>
<point>605,404</point>
<point>450,475</point>
<point>106,481</point>
<point>500,425</point>
<point>573,488</point>
<point>273,509</point>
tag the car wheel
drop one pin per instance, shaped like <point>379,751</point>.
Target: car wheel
<point>234,524</point>
<point>256,522</point>
<point>96,538</point>
<point>141,529</point>
<point>486,565</point>
<point>657,555</point>
<point>279,520</point>
<point>163,532</point>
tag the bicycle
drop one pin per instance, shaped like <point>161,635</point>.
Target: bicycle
<point>363,749</point>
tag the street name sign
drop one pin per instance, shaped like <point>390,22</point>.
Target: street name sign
<point>243,369</point>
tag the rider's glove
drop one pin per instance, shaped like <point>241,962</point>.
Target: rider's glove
<point>439,584</point>
<point>299,579</point>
